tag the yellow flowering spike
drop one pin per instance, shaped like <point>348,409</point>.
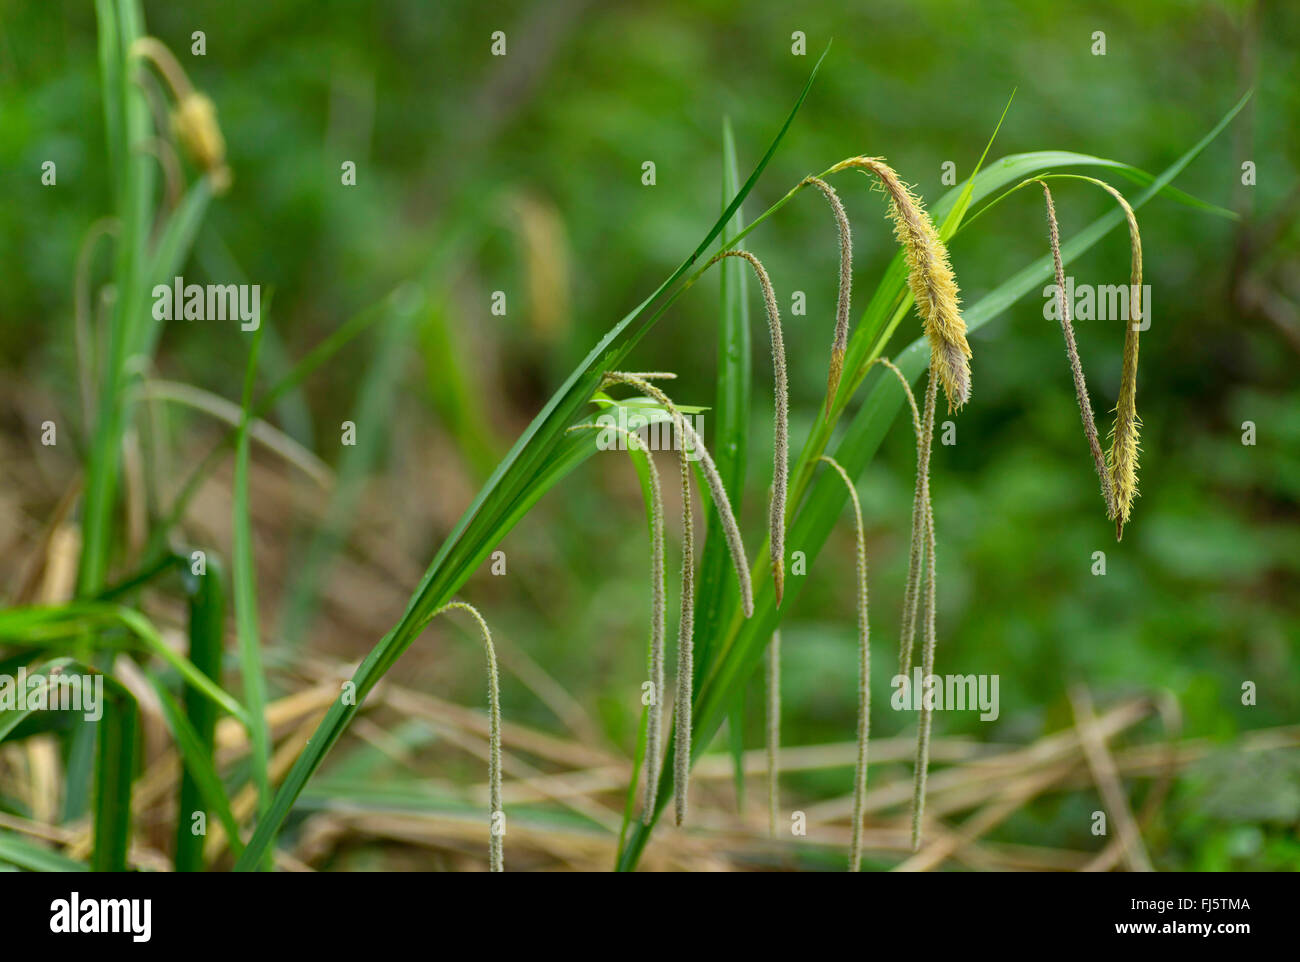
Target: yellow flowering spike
<point>195,124</point>
<point>930,277</point>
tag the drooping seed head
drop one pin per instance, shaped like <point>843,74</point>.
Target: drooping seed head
<point>864,671</point>
<point>194,119</point>
<point>1072,355</point>
<point>930,278</point>
<point>691,441</point>
<point>496,856</point>
<point>654,714</point>
<point>781,418</point>
<point>1124,447</point>
<point>195,125</point>
<point>839,345</point>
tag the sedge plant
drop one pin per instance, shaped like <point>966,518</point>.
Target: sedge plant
<point>744,614</point>
<point>547,452</point>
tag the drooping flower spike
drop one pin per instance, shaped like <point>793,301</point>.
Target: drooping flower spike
<point>658,606</point>
<point>781,422</point>
<point>864,671</point>
<point>690,443</point>
<point>840,343</point>
<point>930,278</point>
<point>194,119</point>
<point>496,828</point>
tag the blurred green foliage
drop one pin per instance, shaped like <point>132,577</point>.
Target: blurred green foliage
<point>1201,595</point>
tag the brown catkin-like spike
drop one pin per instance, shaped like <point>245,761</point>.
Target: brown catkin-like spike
<point>841,341</point>
<point>864,672</point>
<point>1072,353</point>
<point>195,123</point>
<point>781,418</point>
<point>658,606</point>
<point>773,729</point>
<point>496,830</point>
<point>691,441</point>
<point>927,653</point>
<point>930,278</point>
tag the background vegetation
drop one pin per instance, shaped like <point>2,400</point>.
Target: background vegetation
<point>522,174</point>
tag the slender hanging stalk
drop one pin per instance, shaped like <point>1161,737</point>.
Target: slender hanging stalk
<point>930,278</point>
<point>841,342</point>
<point>1122,459</point>
<point>496,855</point>
<point>920,519</point>
<point>657,607</point>
<point>927,654</point>
<point>864,672</point>
<point>170,164</point>
<point>1124,435</point>
<point>773,729</point>
<point>685,649</point>
<point>194,121</point>
<point>690,441</point>
<point>781,419</point>
<point>1072,353</point>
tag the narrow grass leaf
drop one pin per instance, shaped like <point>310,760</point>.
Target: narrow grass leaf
<point>246,615</point>
<point>207,613</point>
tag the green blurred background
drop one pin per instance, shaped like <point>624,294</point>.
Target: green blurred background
<point>522,174</point>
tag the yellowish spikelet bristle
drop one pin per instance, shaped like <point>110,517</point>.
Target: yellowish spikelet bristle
<point>930,278</point>
<point>1124,448</point>
<point>1072,355</point>
<point>195,124</point>
<point>194,119</point>
<point>1123,458</point>
<point>781,420</point>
